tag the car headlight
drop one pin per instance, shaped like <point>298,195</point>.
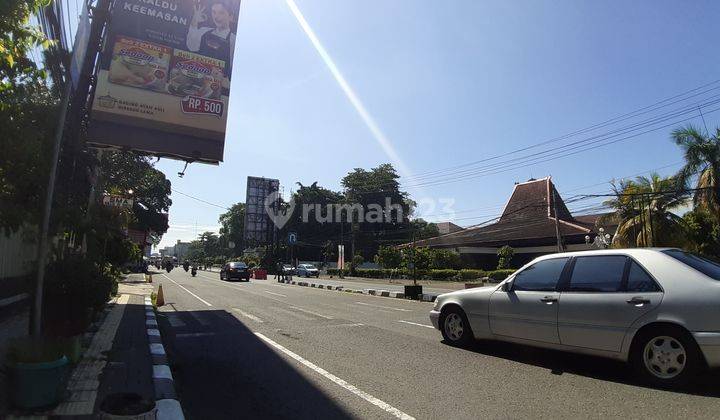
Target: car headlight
<point>436,305</point>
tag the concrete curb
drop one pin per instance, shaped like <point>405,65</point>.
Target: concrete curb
<point>426,297</point>
<point>166,399</point>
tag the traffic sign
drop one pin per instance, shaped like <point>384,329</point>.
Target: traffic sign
<point>292,238</point>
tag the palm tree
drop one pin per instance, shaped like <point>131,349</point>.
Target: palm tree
<point>702,157</point>
<point>643,210</point>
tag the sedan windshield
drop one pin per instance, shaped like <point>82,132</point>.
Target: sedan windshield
<point>238,265</point>
<point>707,267</point>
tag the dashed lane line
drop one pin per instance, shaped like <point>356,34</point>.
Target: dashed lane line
<point>275,294</point>
<point>415,323</point>
<point>180,286</point>
<point>247,315</point>
<point>338,381</point>
<point>384,307</point>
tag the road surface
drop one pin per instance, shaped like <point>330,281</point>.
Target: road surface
<point>269,350</point>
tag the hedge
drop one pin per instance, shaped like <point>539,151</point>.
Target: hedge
<point>441,274</point>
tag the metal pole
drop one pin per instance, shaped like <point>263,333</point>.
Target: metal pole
<point>342,232</point>
<point>45,227</point>
<point>650,220</point>
<point>557,223</point>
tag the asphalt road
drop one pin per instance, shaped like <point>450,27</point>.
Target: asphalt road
<point>269,350</point>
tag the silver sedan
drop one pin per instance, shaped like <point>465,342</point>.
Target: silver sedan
<point>658,309</point>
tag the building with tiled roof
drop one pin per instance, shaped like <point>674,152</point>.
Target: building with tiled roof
<point>528,224</point>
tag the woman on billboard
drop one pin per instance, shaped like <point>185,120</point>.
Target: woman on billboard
<point>218,39</point>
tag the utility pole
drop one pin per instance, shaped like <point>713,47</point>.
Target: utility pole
<point>557,222</point>
<point>414,275</point>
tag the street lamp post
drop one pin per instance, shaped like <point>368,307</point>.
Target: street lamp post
<point>602,240</point>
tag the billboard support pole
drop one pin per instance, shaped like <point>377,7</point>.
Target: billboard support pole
<point>42,249</point>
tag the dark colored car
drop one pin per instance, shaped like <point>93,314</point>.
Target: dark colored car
<point>235,270</point>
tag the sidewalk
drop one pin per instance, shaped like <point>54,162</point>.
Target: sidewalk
<point>117,359</point>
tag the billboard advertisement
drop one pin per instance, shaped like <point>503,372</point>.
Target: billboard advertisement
<point>164,78</point>
<point>261,202</point>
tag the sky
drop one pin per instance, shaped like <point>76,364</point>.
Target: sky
<point>433,85</point>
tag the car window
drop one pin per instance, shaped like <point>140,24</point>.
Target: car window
<point>639,280</point>
<point>541,276</point>
<point>702,265</point>
<point>602,273</point>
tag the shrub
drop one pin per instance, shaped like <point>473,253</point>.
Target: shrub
<point>470,274</point>
<point>505,254</point>
<point>443,274</point>
<point>500,275</point>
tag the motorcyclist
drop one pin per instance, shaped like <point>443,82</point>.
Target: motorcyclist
<point>186,265</point>
<point>194,270</point>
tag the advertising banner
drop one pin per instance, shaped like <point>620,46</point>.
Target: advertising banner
<point>164,78</point>
<point>110,200</point>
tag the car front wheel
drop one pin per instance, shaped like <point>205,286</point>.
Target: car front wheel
<point>666,356</point>
<point>455,327</point>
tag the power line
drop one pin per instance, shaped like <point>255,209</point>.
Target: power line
<point>592,127</point>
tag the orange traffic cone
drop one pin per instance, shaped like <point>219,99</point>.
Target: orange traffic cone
<point>159,300</point>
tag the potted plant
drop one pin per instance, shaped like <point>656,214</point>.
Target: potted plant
<point>37,368</point>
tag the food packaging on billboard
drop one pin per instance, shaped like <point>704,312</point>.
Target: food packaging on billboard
<point>163,82</point>
<point>139,64</point>
<point>196,75</point>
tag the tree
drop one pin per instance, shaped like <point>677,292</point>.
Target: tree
<point>702,157</point>
<point>444,259</point>
<point>233,228</point>
<point>378,188</point>
<point>643,208</point>
<point>388,257</point>
<point>703,233</point>
<point>505,255</point>
<point>419,258</point>
<point>423,229</point>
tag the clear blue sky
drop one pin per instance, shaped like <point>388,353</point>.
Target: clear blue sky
<point>448,83</point>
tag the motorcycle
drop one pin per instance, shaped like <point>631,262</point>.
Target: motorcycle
<point>194,271</point>
<point>168,267</point>
<point>186,266</point>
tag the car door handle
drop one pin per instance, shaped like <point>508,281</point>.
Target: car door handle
<point>638,301</point>
<point>548,300</point>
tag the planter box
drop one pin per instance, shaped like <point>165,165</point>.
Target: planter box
<point>413,292</point>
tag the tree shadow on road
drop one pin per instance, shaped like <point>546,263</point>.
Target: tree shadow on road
<point>558,363</point>
<point>223,370</point>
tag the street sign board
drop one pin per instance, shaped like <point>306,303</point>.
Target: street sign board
<point>163,82</point>
<point>292,238</point>
<point>117,201</point>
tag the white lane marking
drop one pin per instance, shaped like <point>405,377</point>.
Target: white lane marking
<point>311,312</point>
<point>276,294</point>
<point>247,315</point>
<point>384,307</point>
<point>415,323</point>
<point>340,382</point>
<point>347,325</point>
<point>180,286</point>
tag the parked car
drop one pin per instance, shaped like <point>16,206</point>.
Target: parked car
<point>235,270</point>
<point>654,308</point>
<point>288,269</point>
<point>308,270</point>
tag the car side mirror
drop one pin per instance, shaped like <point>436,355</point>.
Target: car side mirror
<point>507,286</point>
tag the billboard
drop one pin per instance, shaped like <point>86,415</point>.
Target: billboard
<point>259,227</point>
<point>164,78</point>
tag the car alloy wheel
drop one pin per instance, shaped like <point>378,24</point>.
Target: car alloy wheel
<point>664,357</point>
<point>454,326</point>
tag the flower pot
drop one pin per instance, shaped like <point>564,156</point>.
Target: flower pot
<point>127,406</point>
<point>35,385</point>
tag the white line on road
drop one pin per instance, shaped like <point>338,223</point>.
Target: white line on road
<point>311,312</point>
<point>178,285</point>
<point>247,315</point>
<point>415,323</point>
<point>340,382</point>
<point>193,335</point>
<point>384,307</point>
<point>347,325</point>
<point>276,294</point>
